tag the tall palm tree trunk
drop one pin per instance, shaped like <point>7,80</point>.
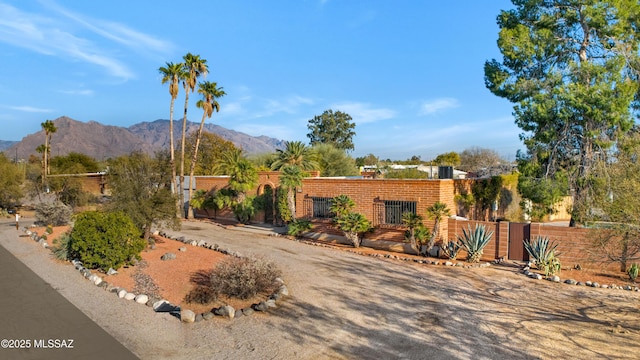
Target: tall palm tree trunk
<point>184,137</point>
<point>291,202</point>
<point>172,159</point>
<point>194,158</point>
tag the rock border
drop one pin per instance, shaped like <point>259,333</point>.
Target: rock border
<point>525,270</point>
<point>164,306</point>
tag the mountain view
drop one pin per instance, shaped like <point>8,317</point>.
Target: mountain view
<point>105,141</point>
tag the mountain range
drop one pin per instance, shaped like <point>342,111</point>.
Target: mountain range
<point>106,141</point>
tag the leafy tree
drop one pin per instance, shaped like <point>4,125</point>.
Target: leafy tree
<point>53,213</point>
<point>295,153</point>
<point>172,73</point>
<point>74,163</point>
<point>212,147</point>
<point>571,69</point>
<point>333,161</point>
<point>11,178</point>
<point>105,240</point>
<point>486,192</point>
<point>263,161</point>
<point>193,67</point>
<point>449,159</point>
<point>332,128</point>
<point>370,159</point>
<point>209,91</point>
<point>140,187</point>
<point>437,212</point>
<point>68,189</point>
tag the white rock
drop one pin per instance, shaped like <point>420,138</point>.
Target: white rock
<point>97,281</point>
<point>122,293</point>
<point>187,316</point>
<point>129,296</point>
<point>141,299</point>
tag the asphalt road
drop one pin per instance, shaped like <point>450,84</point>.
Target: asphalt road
<point>39,323</point>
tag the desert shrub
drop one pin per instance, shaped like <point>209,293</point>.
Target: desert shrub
<point>543,254</point>
<point>49,229</point>
<point>61,247</point>
<point>297,227</point>
<point>54,213</point>
<point>105,240</point>
<point>241,278</point>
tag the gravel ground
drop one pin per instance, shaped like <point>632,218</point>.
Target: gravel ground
<point>346,306</point>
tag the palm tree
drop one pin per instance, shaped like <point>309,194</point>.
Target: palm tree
<point>243,176</point>
<point>412,221</point>
<point>437,211</point>
<point>173,74</point>
<point>291,178</point>
<point>193,67</point>
<point>210,91</point>
<point>49,128</point>
<point>341,205</point>
<point>353,224</point>
<point>295,153</point>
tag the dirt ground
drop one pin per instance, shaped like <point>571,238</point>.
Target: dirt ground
<point>345,306</point>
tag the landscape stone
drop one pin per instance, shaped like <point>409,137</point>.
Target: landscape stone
<point>271,303</point>
<point>283,290</point>
<point>208,315</point>
<point>182,248</point>
<point>187,316</point>
<point>111,271</point>
<point>555,278</point>
<point>227,311</point>
<point>163,306</point>
<point>122,293</point>
<point>595,284</point>
<point>261,306</point>
<point>168,256</point>
<point>199,317</point>
<point>97,280</point>
<point>129,296</point>
<point>448,263</point>
<point>247,311</point>
<point>141,299</point>
<point>570,282</point>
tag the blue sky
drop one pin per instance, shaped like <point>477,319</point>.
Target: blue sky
<point>410,73</point>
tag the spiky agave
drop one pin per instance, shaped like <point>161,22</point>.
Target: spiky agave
<point>474,241</point>
<point>543,253</point>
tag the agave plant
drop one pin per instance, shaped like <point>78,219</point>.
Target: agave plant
<point>633,272</point>
<point>451,249</point>
<point>544,255</point>
<point>474,241</point>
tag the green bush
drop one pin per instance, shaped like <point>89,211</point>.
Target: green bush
<point>241,278</point>
<point>633,272</point>
<point>299,226</point>
<point>105,240</point>
<point>55,213</point>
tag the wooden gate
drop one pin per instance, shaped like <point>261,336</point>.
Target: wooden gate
<point>517,233</point>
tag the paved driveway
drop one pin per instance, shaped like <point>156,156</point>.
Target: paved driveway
<point>348,306</point>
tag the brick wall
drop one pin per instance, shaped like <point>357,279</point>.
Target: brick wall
<point>498,246</point>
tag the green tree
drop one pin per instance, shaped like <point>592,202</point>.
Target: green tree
<point>353,224</point>
<point>332,128</point>
<point>74,163</point>
<point>140,187</point>
<point>341,205</point>
<point>209,91</point>
<point>172,73</point>
<point>193,67</point>
<point>333,161</point>
<point>486,193</point>
<point>571,69</point>
<point>212,147</point>
<point>451,158</point>
<point>370,159</point>
<point>11,178</point>
<point>295,153</point>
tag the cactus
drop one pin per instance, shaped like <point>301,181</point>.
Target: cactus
<point>475,241</point>
<point>633,272</point>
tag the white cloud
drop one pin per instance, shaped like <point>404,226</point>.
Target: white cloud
<point>85,92</point>
<point>438,105</point>
<point>29,109</point>
<point>364,113</point>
